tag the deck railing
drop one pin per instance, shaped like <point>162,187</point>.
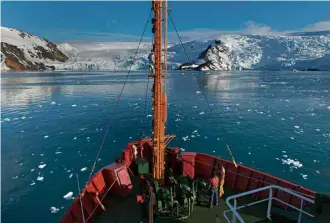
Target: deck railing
<point>234,208</point>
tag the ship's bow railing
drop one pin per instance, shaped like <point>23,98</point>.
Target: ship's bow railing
<point>233,208</point>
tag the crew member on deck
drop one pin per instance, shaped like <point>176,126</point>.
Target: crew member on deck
<point>214,189</point>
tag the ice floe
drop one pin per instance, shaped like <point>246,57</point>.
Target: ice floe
<point>40,178</point>
<point>15,177</point>
<point>74,138</point>
<point>297,126</point>
<point>198,92</point>
<point>32,170</point>
<point>41,166</point>
<point>304,176</point>
<point>32,183</point>
<point>53,210</point>
<point>68,196</point>
<point>317,130</point>
<point>71,175</point>
<point>74,105</point>
<point>202,113</point>
<point>7,119</point>
<point>292,163</point>
<point>53,103</point>
<point>46,136</point>
<point>185,138</point>
<point>58,152</point>
<point>83,169</point>
<point>23,117</point>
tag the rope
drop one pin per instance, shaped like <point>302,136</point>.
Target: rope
<point>81,205</point>
<point>201,89</point>
<point>118,100</point>
<point>145,107</point>
<point>102,199</point>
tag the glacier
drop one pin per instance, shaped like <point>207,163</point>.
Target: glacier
<point>296,51</point>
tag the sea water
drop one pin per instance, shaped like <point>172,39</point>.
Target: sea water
<point>53,124</point>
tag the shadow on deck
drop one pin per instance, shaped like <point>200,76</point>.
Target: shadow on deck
<point>127,210</point>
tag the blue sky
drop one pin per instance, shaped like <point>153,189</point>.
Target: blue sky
<point>102,21</point>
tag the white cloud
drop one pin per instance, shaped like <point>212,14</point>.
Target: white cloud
<point>319,26</point>
<point>250,28</point>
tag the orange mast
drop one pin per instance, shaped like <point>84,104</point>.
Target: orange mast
<point>159,96</point>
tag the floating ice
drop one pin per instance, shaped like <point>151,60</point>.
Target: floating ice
<point>42,154</point>
<point>58,152</point>
<point>32,170</point>
<point>317,130</point>
<point>46,137</point>
<point>287,101</point>
<point>193,107</point>
<point>40,178</point>
<point>328,107</point>
<point>53,103</point>
<point>74,105</point>
<point>74,138</point>
<point>304,176</point>
<point>71,175</point>
<point>53,210</point>
<point>149,115</point>
<point>282,119</point>
<point>201,113</point>
<point>285,156</point>
<point>23,117</point>
<point>68,196</point>
<point>318,172</point>
<point>291,138</point>
<point>198,92</point>
<point>185,138</point>
<point>83,169</point>
<point>130,137</point>
<point>293,163</point>
<point>297,126</point>
<point>213,151</point>
<point>192,136</point>
<point>14,178</point>
<point>32,183</point>
<point>88,138</point>
<point>195,131</point>
<point>41,166</point>
<point>314,161</point>
<point>283,151</point>
<point>249,153</point>
<point>277,158</point>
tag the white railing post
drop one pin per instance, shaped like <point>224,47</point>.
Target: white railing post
<point>234,215</point>
<point>301,209</point>
<point>270,199</point>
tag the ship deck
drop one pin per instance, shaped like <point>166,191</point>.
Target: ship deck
<point>127,210</point>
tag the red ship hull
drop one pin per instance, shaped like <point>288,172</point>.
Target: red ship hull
<point>116,177</point>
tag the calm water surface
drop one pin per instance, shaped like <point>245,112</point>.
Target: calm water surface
<point>52,126</point>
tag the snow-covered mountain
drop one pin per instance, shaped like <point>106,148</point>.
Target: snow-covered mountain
<point>231,52</point>
<point>299,51</point>
<point>23,51</point>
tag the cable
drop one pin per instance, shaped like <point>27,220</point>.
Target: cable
<point>200,88</point>
<point>145,107</point>
<point>118,100</point>
<point>81,205</point>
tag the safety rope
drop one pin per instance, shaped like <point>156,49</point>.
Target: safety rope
<point>118,100</point>
<point>201,89</point>
<point>145,108</point>
<point>98,204</point>
<point>81,204</point>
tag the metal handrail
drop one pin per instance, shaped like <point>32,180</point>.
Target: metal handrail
<point>234,208</point>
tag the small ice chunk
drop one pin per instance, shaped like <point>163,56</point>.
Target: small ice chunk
<point>249,153</point>
<point>282,119</point>
<point>14,178</point>
<point>46,137</point>
<point>88,138</point>
<point>283,151</point>
<point>192,136</point>
<point>23,117</point>
<point>314,161</point>
<point>71,175</point>
<point>214,151</point>
<point>287,100</point>
<point>297,126</point>
<point>304,176</point>
<point>318,172</point>
<point>277,158</point>
<point>195,131</point>
<point>74,105</point>
<point>40,178</point>
<point>53,210</point>
<point>74,138</point>
<point>182,149</point>
<point>149,115</point>
<point>317,130</point>
<point>53,103</point>
<point>130,137</point>
<point>285,156</point>
<point>32,183</point>
<point>41,166</point>
<point>7,119</point>
<point>198,92</point>
<point>185,138</point>
<point>68,196</point>
<point>195,106</point>
<point>202,113</point>
<point>83,169</point>
<point>292,138</point>
<point>58,152</point>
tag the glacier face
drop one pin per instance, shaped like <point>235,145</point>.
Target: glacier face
<point>264,52</point>
<point>300,51</point>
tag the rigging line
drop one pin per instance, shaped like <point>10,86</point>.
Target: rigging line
<point>81,204</point>
<point>118,99</point>
<point>201,89</point>
<point>145,108</point>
